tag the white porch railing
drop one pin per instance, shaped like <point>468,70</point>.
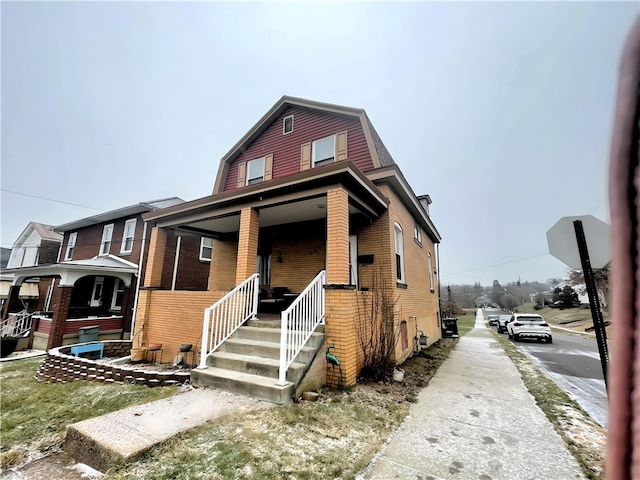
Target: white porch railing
<point>299,321</point>
<point>226,315</point>
<point>16,324</point>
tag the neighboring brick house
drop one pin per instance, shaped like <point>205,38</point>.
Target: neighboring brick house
<point>93,273</point>
<point>310,188</point>
<point>38,244</point>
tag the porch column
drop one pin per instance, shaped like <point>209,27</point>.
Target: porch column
<point>12,299</point>
<point>127,310</point>
<point>247,244</point>
<point>338,237</point>
<point>155,259</point>
<point>341,313</point>
<point>340,297</point>
<point>60,301</point>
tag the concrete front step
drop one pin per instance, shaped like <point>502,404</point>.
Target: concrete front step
<point>272,334</point>
<point>255,386</point>
<point>257,348</point>
<point>265,367</point>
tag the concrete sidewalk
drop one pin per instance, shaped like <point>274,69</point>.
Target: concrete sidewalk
<point>476,420</point>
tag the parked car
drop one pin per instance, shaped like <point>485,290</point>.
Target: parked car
<point>493,319</point>
<point>529,325</point>
<point>501,326</point>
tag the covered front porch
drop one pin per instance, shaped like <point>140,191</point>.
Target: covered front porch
<point>281,237</point>
<point>82,293</point>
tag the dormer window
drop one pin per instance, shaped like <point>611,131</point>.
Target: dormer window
<point>287,125</point>
<point>323,151</point>
<point>255,171</point>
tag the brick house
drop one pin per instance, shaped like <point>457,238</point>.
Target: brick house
<point>92,275</point>
<point>309,195</point>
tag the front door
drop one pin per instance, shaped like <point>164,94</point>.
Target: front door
<point>353,260</point>
<point>96,296</point>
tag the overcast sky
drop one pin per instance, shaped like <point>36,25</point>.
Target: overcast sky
<point>501,112</point>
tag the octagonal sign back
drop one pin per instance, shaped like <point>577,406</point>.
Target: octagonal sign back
<point>561,239</point>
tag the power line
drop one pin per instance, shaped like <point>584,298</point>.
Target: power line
<point>52,200</point>
<point>490,267</point>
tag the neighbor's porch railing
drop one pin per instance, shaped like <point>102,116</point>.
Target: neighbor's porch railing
<point>299,321</point>
<point>17,324</point>
<point>226,315</point>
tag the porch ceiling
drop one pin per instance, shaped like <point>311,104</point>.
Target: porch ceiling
<point>292,212</point>
<point>298,198</point>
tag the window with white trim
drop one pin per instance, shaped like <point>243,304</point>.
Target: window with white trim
<point>417,233</point>
<point>255,171</point>
<point>323,151</point>
<point>118,292</point>
<point>430,272</point>
<point>105,243</point>
<point>287,125</point>
<point>206,248</point>
<point>71,245</point>
<point>399,253</point>
<point>127,235</point>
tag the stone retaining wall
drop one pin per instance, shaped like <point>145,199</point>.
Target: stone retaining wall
<point>60,366</point>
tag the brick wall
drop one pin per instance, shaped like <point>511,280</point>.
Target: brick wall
<point>89,238</point>
<point>223,263</point>
<point>60,366</point>
<point>417,300</point>
<point>298,254</point>
<point>172,318</point>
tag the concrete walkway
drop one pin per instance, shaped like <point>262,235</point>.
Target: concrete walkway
<point>477,421</point>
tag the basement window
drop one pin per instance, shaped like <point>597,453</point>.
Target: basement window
<point>287,125</point>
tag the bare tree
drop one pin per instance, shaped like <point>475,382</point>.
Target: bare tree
<point>376,327</point>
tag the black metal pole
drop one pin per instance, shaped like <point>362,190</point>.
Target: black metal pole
<point>594,302</point>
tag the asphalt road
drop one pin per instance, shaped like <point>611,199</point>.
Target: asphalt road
<point>574,363</point>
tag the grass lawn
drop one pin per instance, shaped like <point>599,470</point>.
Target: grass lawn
<point>466,323</point>
<point>335,437</point>
<point>34,415</point>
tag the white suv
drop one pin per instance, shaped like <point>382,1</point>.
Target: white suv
<point>528,325</point>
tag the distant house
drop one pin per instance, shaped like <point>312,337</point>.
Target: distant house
<point>4,257</point>
<point>309,211</point>
<point>94,282</point>
<point>38,244</point>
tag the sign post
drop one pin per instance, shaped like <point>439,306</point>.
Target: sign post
<point>594,301</point>
<point>563,247</point>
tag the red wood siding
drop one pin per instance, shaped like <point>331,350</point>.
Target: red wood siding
<point>308,125</point>
<point>73,326</point>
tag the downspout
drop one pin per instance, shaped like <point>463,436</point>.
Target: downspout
<point>135,301</point>
<point>175,264</point>
<point>437,245</point>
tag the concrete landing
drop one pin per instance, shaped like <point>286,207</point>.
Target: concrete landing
<point>122,436</point>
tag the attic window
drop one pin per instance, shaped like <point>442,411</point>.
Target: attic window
<point>287,125</point>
